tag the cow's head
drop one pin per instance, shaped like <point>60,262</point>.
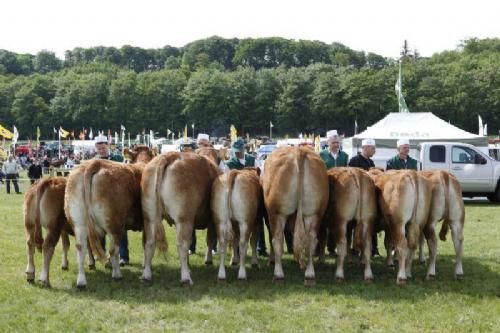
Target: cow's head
<point>140,154</point>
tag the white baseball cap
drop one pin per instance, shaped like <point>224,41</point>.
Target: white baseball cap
<point>332,134</point>
<point>368,142</point>
<point>101,139</point>
<point>403,142</point>
<point>203,136</point>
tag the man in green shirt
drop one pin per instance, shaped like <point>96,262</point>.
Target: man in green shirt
<point>239,160</point>
<point>333,156</point>
<point>402,160</point>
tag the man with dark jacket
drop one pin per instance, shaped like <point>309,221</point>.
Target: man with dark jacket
<point>35,171</point>
<point>363,159</point>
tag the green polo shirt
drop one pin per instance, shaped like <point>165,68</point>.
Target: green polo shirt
<point>234,163</point>
<point>340,161</point>
<point>396,163</point>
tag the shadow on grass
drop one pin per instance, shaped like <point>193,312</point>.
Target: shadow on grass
<point>479,281</point>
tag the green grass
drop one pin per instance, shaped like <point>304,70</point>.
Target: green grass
<point>471,304</point>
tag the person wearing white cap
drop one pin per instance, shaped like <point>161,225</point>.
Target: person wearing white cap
<point>402,160</point>
<point>363,159</point>
<point>203,140</point>
<point>333,156</point>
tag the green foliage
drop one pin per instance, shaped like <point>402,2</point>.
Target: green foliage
<point>214,82</point>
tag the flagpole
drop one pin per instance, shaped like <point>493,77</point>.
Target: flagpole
<point>271,131</point>
<point>59,140</point>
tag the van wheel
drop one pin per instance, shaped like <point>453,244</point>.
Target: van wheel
<point>495,197</point>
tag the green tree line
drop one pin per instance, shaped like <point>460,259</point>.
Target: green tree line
<point>300,86</point>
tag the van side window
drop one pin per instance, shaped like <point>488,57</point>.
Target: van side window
<point>437,154</point>
<point>462,155</point>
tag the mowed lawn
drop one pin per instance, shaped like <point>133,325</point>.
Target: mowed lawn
<point>471,304</point>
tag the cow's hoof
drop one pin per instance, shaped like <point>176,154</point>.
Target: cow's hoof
<point>430,277</point>
<point>81,286</point>
<point>401,282</point>
<point>30,277</point>
<point>255,266</point>
<point>309,282</point>
<point>221,281</point>
<point>45,284</point>
<point>339,279</point>
<point>186,283</point>
<point>242,280</point>
<point>209,263</point>
<point>65,268</point>
<point>234,263</point>
<point>92,267</point>
<point>459,276</point>
<point>144,280</point>
<point>278,280</point>
<point>368,280</point>
<point>117,279</point>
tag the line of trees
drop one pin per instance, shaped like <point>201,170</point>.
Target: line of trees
<point>301,86</point>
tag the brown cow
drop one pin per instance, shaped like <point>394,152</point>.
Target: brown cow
<point>447,205</point>
<point>236,207</point>
<point>352,198</point>
<point>404,201</point>
<point>44,207</point>
<point>295,188</point>
<point>104,197</point>
<point>177,186</point>
<point>210,153</point>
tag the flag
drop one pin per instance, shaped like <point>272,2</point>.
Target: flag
<point>63,133</point>
<point>233,133</point>
<point>485,130</point>
<point>169,132</point>
<point>116,138</point>
<point>15,136</point>
<point>399,92</point>
<point>185,133</point>
<point>122,127</point>
<point>355,126</point>
<point>55,131</point>
<point>317,144</point>
<point>91,135</point>
<point>5,133</point>
<point>38,134</point>
<point>192,125</point>
<point>481,127</point>
<point>271,124</point>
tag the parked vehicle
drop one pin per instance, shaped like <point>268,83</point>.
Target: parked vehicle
<point>478,173</point>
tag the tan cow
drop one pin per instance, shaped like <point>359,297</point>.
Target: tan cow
<point>44,208</point>
<point>404,201</point>
<point>295,188</point>
<point>210,153</point>
<point>177,187</point>
<point>447,205</point>
<point>352,198</point>
<point>104,197</point>
<point>236,207</point>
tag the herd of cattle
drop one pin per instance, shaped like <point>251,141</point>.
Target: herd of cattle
<point>295,192</point>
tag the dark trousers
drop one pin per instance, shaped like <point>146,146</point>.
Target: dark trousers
<point>261,242</point>
<point>123,246</point>
<point>13,177</point>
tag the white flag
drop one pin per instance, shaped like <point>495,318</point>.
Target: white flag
<point>192,125</point>
<point>168,132</point>
<point>16,136</point>
<point>485,130</point>
<point>481,127</point>
<point>122,128</point>
<point>91,135</point>
<point>271,124</point>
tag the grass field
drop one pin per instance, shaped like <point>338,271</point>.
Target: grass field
<point>471,304</point>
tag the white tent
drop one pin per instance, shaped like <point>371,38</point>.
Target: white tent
<point>417,127</point>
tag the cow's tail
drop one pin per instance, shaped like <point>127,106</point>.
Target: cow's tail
<point>300,239</point>
<point>445,182</point>
<point>40,190</point>
<point>93,237</point>
<point>161,169</point>
<point>414,182</point>
<point>358,230</point>
<point>231,180</point>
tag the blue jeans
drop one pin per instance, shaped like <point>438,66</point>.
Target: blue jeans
<point>123,246</point>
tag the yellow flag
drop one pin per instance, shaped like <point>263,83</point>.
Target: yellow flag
<point>5,133</point>
<point>63,133</point>
<point>233,133</point>
<point>317,144</point>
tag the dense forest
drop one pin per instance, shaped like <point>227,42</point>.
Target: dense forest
<point>301,86</point>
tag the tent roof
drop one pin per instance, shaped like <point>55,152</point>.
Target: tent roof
<point>417,127</point>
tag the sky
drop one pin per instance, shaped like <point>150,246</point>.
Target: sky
<point>379,26</point>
